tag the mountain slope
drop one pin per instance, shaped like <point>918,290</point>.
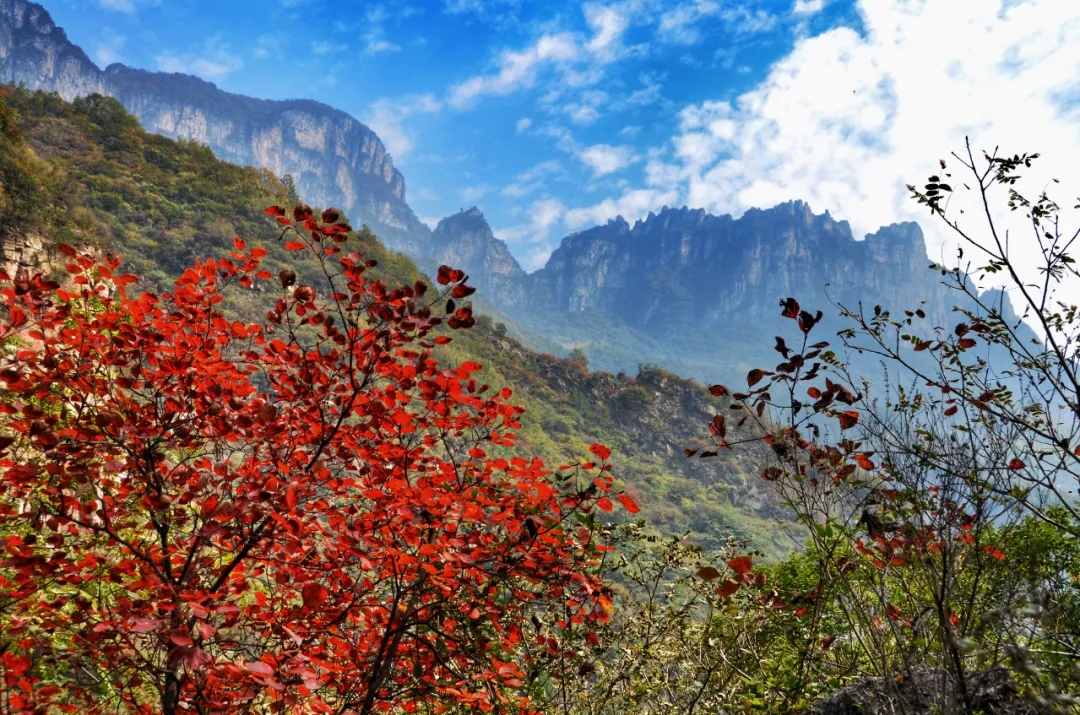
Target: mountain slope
<point>160,203</point>
<point>333,158</point>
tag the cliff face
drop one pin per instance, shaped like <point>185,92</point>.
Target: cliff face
<point>33,50</point>
<point>333,158</point>
<point>696,293</point>
<point>722,270</point>
<point>465,241</point>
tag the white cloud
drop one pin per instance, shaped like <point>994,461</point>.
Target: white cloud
<point>118,5</point>
<point>376,46</point>
<point>532,179</point>
<point>516,69</point>
<point>477,7</point>
<point>387,115</point>
<point>169,63</point>
<point>680,25</point>
<point>522,124</point>
<point>606,159</point>
<point>608,26</point>
<point>267,46</point>
<point>847,119</point>
<point>808,7</point>
<point>108,48</point>
<point>533,238</point>
<point>581,113</point>
<point>374,35</point>
<point>472,194</point>
<point>632,204</point>
<point>216,68</point>
<point>323,47</point>
<point>214,61</point>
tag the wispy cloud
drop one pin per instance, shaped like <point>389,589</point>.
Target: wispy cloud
<point>517,69</point>
<point>472,194</point>
<point>108,48</point>
<point>324,47</point>
<point>213,61</point>
<point>533,179</point>
<point>808,7</point>
<point>606,159</point>
<point>386,118</point>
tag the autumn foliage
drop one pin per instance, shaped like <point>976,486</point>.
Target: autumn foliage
<point>305,515</point>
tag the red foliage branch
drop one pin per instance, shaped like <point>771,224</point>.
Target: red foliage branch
<point>305,515</point>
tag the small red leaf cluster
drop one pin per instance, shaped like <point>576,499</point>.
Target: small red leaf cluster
<point>310,514</point>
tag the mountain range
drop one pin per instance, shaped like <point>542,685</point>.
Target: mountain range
<point>689,291</point>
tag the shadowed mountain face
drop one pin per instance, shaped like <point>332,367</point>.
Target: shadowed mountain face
<point>333,158</point>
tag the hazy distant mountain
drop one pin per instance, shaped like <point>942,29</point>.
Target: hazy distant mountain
<point>697,293</point>
<point>333,158</point>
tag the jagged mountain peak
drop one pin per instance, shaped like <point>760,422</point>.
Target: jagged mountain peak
<point>470,219</point>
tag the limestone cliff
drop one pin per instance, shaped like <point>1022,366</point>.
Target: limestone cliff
<point>465,241</point>
<point>333,158</point>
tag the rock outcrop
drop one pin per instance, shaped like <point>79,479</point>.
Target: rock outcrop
<point>928,692</point>
<point>465,241</point>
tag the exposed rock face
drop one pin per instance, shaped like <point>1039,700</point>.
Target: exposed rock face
<point>731,270</point>
<point>465,241</point>
<point>699,293</point>
<point>333,158</point>
<point>927,692</point>
<point>33,50</point>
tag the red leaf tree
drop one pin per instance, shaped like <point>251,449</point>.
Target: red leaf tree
<point>304,515</point>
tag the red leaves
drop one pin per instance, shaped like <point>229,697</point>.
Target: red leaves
<point>740,564</point>
<point>600,451</point>
<point>274,211</point>
<point>727,588</point>
<point>966,343</point>
<point>718,426</point>
<point>718,391</point>
<point>1016,464</point>
<point>847,419</point>
<point>790,308</point>
<point>143,625</point>
<point>755,376</point>
<point>628,503</point>
<point>708,573</point>
<point>314,594</point>
<point>294,246</point>
<point>327,472</point>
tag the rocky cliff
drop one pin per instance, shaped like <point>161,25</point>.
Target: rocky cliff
<point>465,241</point>
<point>731,270</point>
<point>333,158</point>
<point>694,292</point>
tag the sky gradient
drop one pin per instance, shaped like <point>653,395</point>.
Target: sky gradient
<point>552,117</point>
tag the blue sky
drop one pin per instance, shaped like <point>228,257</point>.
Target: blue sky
<point>555,116</point>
